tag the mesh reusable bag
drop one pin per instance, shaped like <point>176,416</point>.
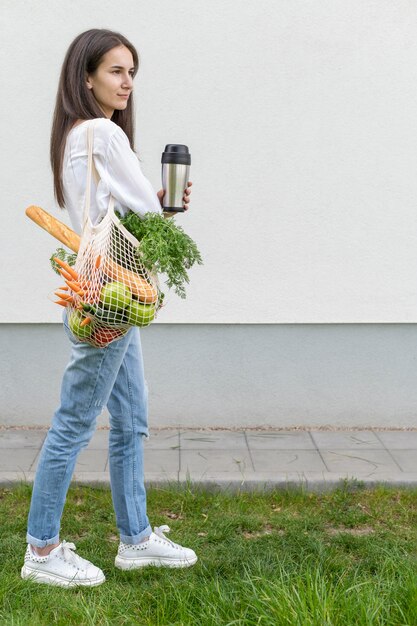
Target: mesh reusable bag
<point>111,290</point>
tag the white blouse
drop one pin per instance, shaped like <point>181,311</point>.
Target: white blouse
<point>119,170</point>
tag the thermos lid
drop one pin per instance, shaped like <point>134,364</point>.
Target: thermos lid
<point>176,153</point>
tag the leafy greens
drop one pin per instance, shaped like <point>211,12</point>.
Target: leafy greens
<point>164,247</point>
<point>69,257</point>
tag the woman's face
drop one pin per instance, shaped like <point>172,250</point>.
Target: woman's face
<point>112,82</point>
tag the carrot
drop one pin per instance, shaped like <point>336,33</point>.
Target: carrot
<point>80,292</point>
<point>98,261</point>
<point>63,287</point>
<point>85,322</point>
<point>67,299</point>
<point>66,267</point>
<point>63,296</point>
<point>75,287</point>
<point>65,275</point>
<point>62,302</point>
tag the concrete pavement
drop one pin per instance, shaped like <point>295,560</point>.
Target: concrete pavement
<point>236,459</point>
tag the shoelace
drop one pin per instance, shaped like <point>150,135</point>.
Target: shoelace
<point>160,530</point>
<point>67,548</point>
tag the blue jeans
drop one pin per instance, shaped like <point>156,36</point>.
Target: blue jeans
<point>94,378</point>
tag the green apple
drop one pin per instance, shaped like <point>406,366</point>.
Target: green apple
<point>74,322</point>
<point>106,316</point>
<point>139,314</point>
<point>109,317</point>
<point>115,296</point>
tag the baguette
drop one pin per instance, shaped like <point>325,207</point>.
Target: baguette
<point>137,284</point>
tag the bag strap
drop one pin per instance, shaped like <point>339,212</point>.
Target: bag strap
<point>92,171</point>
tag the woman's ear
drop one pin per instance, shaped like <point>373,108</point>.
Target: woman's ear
<point>88,83</point>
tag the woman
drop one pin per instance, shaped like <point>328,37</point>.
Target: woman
<point>96,84</point>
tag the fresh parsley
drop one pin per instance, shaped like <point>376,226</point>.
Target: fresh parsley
<point>164,247</point>
<point>68,257</point>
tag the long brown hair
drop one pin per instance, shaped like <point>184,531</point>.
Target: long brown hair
<point>75,101</point>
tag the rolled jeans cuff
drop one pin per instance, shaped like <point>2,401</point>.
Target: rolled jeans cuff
<point>134,539</point>
<point>41,543</point>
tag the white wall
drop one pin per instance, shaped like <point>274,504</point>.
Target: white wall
<point>301,119</point>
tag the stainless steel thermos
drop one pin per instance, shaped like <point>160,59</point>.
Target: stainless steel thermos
<point>176,161</point>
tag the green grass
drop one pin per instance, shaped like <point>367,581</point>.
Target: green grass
<point>287,557</point>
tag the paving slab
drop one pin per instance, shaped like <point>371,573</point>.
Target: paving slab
<point>199,462</point>
<point>280,441</point>
<point>225,440</point>
<point>273,461</point>
<point>333,440</point>
<point>162,440</point>
<point>162,462</point>
<point>21,438</point>
<point>242,459</point>
<point>87,461</point>
<point>398,440</point>
<point>406,459</point>
<point>365,462</point>
<point>16,459</point>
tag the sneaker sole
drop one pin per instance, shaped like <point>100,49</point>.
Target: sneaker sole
<point>123,563</point>
<point>60,581</point>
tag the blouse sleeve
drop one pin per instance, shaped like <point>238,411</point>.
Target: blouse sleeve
<point>125,179</point>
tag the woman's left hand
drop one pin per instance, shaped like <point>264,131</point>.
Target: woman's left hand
<point>185,198</point>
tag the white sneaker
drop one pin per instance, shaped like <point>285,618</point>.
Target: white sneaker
<point>157,550</point>
<point>61,567</point>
